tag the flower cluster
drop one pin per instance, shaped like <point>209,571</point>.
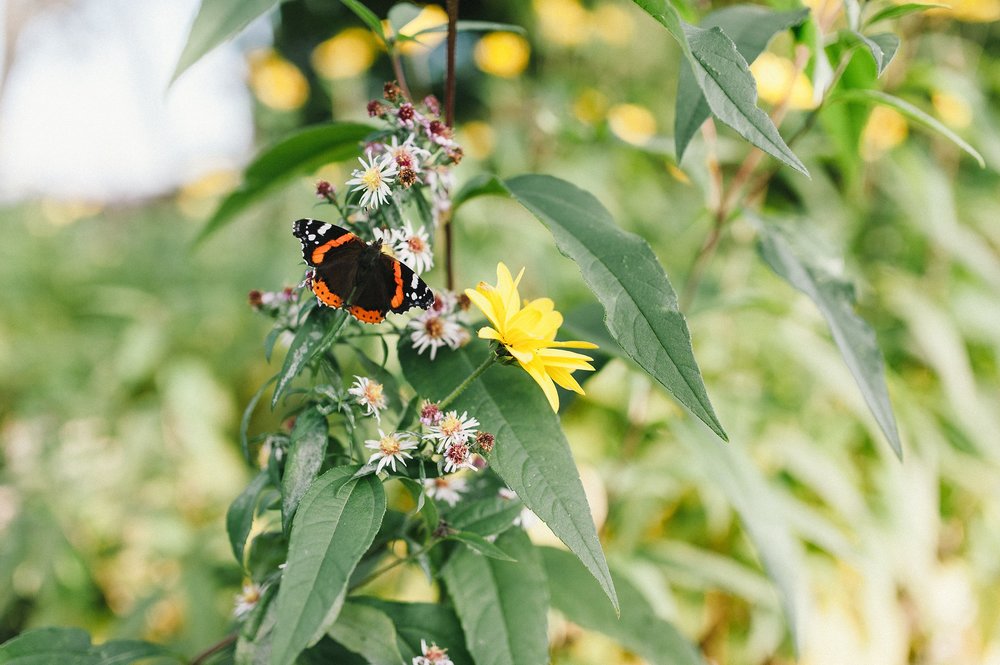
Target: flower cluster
<point>439,325</point>
<point>431,655</point>
<point>276,304</point>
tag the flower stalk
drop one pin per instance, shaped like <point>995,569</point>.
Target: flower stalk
<point>491,360</point>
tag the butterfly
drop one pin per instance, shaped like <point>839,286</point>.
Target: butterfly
<point>356,275</point>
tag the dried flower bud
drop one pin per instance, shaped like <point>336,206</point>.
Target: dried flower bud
<point>288,293</point>
<point>430,414</point>
<point>256,299</point>
<point>376,109</point>
<point>455,154</point>
<point>485,441</point>
<point>464,302</point>
<point>443,530</point>
<point>325,191</point>
<point>432,104</point>
<point>392,92</point>
<point>406,112</point>
<point>407,176</point>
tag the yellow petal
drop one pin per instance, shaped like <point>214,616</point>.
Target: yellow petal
<point>543,380</point>
<point>564,379</point>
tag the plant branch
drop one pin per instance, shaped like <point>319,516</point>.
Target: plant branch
<point>214,649</point>
<point>397,68</point>
<point>489,362</point>
<point>398,562</point>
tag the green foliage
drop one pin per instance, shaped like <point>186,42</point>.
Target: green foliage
<point>72,647</point>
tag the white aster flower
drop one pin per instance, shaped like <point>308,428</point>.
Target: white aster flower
<point>374,179</point>
<point>369,394</point>
<point>445,488</point>
<point>431,330</point>
<point>458,456</point>
<point>431,655</point>
<point>453,429</point>
<point>391,448</point>
<point>247,599</point>
<point>413,247</point>
<point>406,154</point>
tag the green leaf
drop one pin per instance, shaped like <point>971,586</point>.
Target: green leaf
<point>882,46</point>
<point>300,153</point>
<point>475,26</point>
<point>835,299</point>
<point>486,517</point>
<point>484,184</point>
<point>896,11</point>
<point>367,16</point>
<point>725,80</point>
<point>312,336</point>
<point>369,632</point>
<point>502,605</point>
<point>218,21</point>
<point>750,27</point>
<point>619,267</point>
<point>434,623</point>
<point>335,523</point>
<point>305,458</point>
<point>735,474</point>
<point>239,517</point>
<point>639,629</point>
<point>71,646</point>
<point>531,455</point>
<point>913,113</point>
<point>480,545</point>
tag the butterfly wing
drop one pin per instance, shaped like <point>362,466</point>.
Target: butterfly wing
<point>390,287</point>
<point>333,252</point>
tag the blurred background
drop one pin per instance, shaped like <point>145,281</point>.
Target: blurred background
<point>127,354</point>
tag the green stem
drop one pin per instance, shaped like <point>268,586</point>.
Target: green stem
<point>398,562</point>
<point>490,360</point>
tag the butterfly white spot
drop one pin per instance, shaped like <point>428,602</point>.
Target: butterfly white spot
<point>323,229</point>
<point>312,237</point>
<point>414,281</point>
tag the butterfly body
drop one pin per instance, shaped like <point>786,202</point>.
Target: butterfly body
<point>356,275</point>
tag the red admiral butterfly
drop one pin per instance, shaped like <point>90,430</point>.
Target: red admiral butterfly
<point>349,272</point>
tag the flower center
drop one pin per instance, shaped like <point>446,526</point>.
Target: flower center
<point>373,392</point>
<point>434,327</point>
<point>372,179</point>
<point>389,445</point>
<point>450,425</point>
<point>416,244</point>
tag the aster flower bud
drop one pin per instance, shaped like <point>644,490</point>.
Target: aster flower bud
<point>325,191</point>
<point>464,302</point>
<point>376,109</point>
<point>430,414</point>
<point>406,112</point>
<point>432,104</point>
<point>455,154</point>
<point>485,441</point>
<point>407,177</point>
<point>392,92</point>
<point>256,299</point>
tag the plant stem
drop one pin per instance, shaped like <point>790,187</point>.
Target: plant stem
<point>490,360</point>
<point>397,68</point>
<point>398,562</point>
<point>215,648</point>
<point>449,119</point>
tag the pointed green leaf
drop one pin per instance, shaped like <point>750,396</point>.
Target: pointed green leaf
<point>335,523</point>
<point>313,335</point>
<point>531,454</point>
<point>248,414</point>
<point>724,78</point>
<point>750,27</point>
<point>71,646</point>
<point>369,632</point>
<point>484,184</point>
<point>913,113</point>
<point>486,517</point>
<point>502,605</point>
<point>475,26</point>
<point>639,629</point>
<point>882,46</point>
<point>218,21</point>
<point>619,267</point>
<point>895,11</point>
<point>127,652</point>
<point>239,517</point>
<point>480,545</point>
<point>835,299</point>
<point>434,623</point>
<point>305,457</point>
<point>367,16</point>
<point>300,153</point>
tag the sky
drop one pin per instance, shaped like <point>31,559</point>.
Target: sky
<point>86,112</point>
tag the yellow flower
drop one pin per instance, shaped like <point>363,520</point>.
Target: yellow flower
<point>347,54</point>
<point>503,54</point>
<point>276,82</point>
<point>528,333</point>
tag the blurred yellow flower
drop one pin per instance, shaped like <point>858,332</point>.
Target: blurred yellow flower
<point>590,106</point>
<point>970,11</point>
<point>952,109</point>
<point>528,333</point>
<point>429,17</point>
<point>774,76</point>
<point>562,22</point>
<point>885,129</point>
<point>502,54</point>
<point>632,123</point>
<point>612,24</point>
<point>197,198</point>
<point>276,82</point>
<point>345,55</point>
<point>477,139</point>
